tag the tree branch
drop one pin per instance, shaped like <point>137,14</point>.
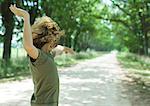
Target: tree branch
<point>120,7</point>
<point>115,20</point>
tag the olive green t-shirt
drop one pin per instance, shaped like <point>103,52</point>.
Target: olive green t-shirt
<point>45,79</point>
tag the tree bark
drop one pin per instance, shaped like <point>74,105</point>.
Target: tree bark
<point>76,39</point>
<point>144,31</point>
<point>68,41</point>
<point>7,19</point>
<point>146,44</point>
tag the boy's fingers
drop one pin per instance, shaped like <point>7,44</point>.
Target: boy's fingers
<point>10,6</point>
<point>14,5</point>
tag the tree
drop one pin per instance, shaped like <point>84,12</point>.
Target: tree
<point>74,18</point>
<point>8,22</point>
<point>134,15</point>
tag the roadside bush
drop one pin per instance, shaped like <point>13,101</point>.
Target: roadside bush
<point>131,60</point>
<point>14,67</point>
<point>19,66</point>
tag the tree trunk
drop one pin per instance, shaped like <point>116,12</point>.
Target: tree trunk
<point>47,8</point>
<point>145,44</point>
<point>144,32</point>
<point>34,12</point>
<point>7,44</point>
<point>7,19</point>
<point>75,44</point>
<point>68,40</point>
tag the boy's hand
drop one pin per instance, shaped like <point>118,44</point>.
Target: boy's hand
<point>18,11</point>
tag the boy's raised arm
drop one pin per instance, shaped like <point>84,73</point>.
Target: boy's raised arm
<point>27,33</point>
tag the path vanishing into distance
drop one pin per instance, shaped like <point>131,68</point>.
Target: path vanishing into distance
<point>94,82</point>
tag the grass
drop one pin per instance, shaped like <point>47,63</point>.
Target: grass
<point>134,61</point>
<point>18,65</point>
<point>137,65</point>
<point>66,60</point>
<point>15,53</point>
<point>15,67</point>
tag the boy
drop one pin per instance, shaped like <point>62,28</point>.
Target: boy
<point>38,41</point>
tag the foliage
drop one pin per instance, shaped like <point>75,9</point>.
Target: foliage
<point>14,68</point>
<point>82,55</point>
<point>135,63</point>
<point>67,60</point>
<point>137,67</point>
<point>19,66</point>
<point>74,18</point>
<point>120,27</point>
<point>129,22</point>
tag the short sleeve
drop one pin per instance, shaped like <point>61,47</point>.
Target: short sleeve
<point>41,59</point>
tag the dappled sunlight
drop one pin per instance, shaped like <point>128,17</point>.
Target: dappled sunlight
<point>16,91</point>
<point>101,49</point>
<point>95,82</point>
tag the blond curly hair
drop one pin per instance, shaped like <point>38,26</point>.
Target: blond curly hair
<point>45,30</point>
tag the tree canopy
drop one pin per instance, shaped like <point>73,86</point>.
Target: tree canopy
<point>95,24</point>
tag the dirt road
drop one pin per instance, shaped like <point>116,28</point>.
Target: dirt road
<point>95,82</point>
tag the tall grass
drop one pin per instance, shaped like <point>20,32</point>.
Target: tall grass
<point>18,64</point>
<point>68,60</point>
<point>14,67</point>
<point>136,63</point>
<point>15,52</point>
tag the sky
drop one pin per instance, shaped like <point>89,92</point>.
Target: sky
<point>107,2</point>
